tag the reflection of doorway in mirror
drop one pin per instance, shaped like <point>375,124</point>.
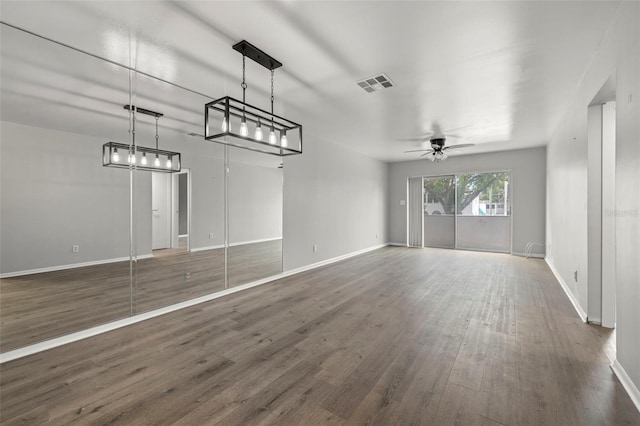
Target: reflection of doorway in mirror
<point>170,203</point>
<point>181,208</point>
<point>160,208</point>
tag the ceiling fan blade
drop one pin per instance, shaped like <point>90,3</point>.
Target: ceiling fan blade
<point>428,152</point>
<point>462,145</point>
<point>418,139</point>
<point>417,150</point>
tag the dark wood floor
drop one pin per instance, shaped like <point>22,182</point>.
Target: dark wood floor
<point>42,306</point>
<point>393,337</point>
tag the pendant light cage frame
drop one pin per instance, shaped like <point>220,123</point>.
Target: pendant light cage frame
<point>125,151</point>
<point>231,111</point>
<point>227,120</point>
<point>132,156</point>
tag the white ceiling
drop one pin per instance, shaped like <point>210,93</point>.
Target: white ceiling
<point>497,74</point>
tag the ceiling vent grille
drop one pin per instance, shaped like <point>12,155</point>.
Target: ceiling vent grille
<point>377,82</point>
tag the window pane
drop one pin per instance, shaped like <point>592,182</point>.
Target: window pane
<point>483,194</point>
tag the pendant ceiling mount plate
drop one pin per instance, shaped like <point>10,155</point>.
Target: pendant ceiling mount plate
<point>250,51</point>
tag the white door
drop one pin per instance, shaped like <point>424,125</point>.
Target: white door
<point>161,208</point>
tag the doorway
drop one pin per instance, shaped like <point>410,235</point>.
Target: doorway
<point>601,217</point>
<point>170,208</point>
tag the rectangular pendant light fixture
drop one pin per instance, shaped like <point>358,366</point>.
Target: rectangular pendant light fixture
<point>115,154</point>
<point>124,156</point>
<point>233,122</point>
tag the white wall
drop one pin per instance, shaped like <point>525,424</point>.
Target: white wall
<point>567,182</point>
<point>56,194</point>
<point>333,198</point>
<point>255,202</point>
<point>527,186</point>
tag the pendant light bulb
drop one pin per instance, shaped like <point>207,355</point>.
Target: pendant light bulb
<point>225,124</point>
<point>131,159</point>
<point>143,160</point>
<point>259,131</point>
<point>244,130</point>
<point>272,136</point>
<point>168,162</point>
<point>283,139</point>
<point>156,162</point>
<point>115,157</point>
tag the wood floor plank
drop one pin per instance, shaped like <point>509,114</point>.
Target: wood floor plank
<point>397,336</point>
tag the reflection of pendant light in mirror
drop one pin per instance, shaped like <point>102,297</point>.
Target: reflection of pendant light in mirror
<point>169,163</point>
<point>259,131</point>
<point>283,139</point>
<point>225,124</point>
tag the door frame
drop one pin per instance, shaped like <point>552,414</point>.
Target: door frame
<point>175,204</point>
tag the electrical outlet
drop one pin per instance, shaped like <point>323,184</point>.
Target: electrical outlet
<point>376,236</point>
<point>75,249</point>
<point>211,235</point>
<point>315,248</point>
<point>575,276</point>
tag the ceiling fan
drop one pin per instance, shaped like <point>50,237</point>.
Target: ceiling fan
<point>438,149</point>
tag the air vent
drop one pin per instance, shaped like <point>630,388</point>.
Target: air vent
<point>378,82</point>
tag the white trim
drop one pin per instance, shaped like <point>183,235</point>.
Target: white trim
<point>331,260</point>
<point>536,255</point>
<point>627,383</point>
<point>565,287</point>
<point>264,240</point>
<point>71,266</point>
<point>241,243</point>
<point>219,246</point>
<point>93,331</point>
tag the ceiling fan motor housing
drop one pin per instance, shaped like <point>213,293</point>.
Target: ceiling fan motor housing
<point>437,144</point>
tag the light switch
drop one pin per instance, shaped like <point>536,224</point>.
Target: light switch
<point>403,203</point>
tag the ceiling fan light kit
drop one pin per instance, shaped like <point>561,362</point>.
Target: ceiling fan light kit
<point>230,121</point>
<point>437,151</point>
<point>125,156</point>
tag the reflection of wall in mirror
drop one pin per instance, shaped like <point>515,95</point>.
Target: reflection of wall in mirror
<point>56,194</point>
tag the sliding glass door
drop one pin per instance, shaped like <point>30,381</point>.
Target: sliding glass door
<point>470,211</point>
<point>439,211</point>
<point>484,212</point>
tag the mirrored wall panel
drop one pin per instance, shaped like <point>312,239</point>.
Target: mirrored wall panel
<point>181,230</point>
<point>255,216</point>
<point>113,203</point>
<point>65,219</point>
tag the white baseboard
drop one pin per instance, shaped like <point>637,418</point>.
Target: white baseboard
<point>536,255</point>
<point>264,240</point>
<point>219,246</point>
<point>241,243</point>
<point>567,290</point>
<point>70,266</point>
<point>93,331</point>
<point>332,260</point>
<point>627,383</point>
<point>397,244</point>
